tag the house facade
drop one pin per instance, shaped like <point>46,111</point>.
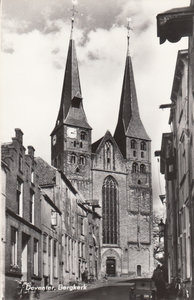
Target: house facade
<point>177,160</point>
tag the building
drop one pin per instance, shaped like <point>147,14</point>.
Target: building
<point>67,223</point>
<point>177,151</point>
<point>114,171</point>
<point>23,212</point>
<point>4,169</point>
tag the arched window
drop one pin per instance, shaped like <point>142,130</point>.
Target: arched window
<point>134,167</point>
<point>83,136</point>
<point>73,158</point>
<point>108,155</point>
<point>133,144</point>
<point>143,146</point>
<point>110,211</point>
<point>82,160</point>
<point>142,168</point>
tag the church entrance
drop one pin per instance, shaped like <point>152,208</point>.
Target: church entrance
<point>110,267</point>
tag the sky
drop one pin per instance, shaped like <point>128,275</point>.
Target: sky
<point>35,36</point>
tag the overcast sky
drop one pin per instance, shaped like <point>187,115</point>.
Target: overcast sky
<point>35,37</point>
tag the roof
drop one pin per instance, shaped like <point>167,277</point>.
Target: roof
<point>71,84</point>
<point>96,144</point>
<point>76,115</point>
<point>46,173</point>
<point>129,119</point>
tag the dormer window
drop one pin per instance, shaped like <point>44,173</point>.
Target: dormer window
<point>142,168</point>
<point>143,146</point>
<point>134,167</point>
<point>133,144</point>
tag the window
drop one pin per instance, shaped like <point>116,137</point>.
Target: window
<point>108,155</point>
<point>36,257</point>
<point>143,146</point>
<point>45,243</point>
<point>83,136</point>
<point>80,144</point>
<point>73,158</point>
<point>14,243</point>
<point>138,270</point>
<point>142,168</point>
<point>20,163</point>
<point>53,218</point>
<point>82,160</point>
<point>32,208</point>
<point>32,176</point>
<point>142,154</point>
<point>55,259</point>
<point>74,143</point>
<point>19,198</point>
<point>82,225</point>
<point>110,211</point>
<point>134,167</point>
<point>133,144</point>
<point>49,246</point>
<point>134,153</point>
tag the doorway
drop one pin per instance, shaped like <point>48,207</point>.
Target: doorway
<point>111,267</point>
<point>24,256</point>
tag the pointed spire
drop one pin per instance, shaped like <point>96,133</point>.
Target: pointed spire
<point>129,122</point>
<point>71,83</point>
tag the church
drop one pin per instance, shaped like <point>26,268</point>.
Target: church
<point>113,173</point>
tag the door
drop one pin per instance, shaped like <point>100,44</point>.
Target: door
<point>110,267</point>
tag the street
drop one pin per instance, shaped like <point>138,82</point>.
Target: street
<point>103,293</point>
<point>111,290</point>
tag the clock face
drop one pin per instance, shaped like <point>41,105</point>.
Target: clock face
<point>54,139</point>
<point>72,132</point>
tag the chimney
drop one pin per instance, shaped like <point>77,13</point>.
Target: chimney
<point>31,151</point>
<point>19,135</point>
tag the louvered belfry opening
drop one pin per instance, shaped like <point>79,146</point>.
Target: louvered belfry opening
<point>110,211</point>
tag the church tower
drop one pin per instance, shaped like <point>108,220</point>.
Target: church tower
<point>135,145</point>
<point>71,137</point>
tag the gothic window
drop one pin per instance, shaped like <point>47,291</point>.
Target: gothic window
<point>83,136</point>
<point>142,168</point>
<point>108,155</point>
<point>133,144</point>
<point>110,211</point>
<point>82,160</point>
<point>134,167</point>
<point>73,158</point>
<point>143,145</point>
